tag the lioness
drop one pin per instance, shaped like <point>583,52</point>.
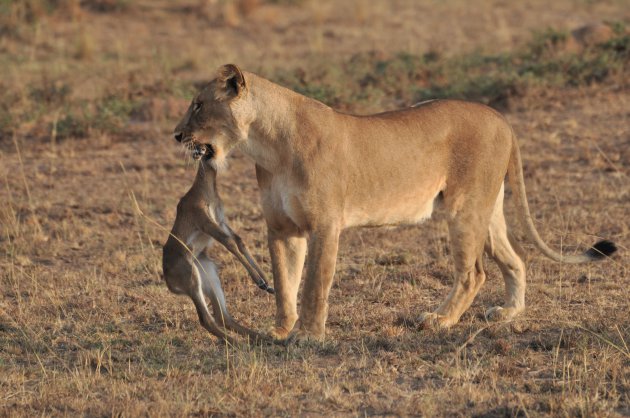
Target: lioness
<point>187,268</point>
<point>320,171</point>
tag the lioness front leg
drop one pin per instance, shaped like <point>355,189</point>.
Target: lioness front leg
<point>322,258</point>
<point>287,249</point>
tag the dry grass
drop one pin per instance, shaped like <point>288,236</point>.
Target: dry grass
<point>88,327</point>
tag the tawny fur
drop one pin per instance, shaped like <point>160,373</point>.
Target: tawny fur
<point>320,171</point>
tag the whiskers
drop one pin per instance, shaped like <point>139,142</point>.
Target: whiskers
<point>188,150</point>
<point>196,153</point>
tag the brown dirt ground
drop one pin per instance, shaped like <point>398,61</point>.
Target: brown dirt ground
<point>88,327</point>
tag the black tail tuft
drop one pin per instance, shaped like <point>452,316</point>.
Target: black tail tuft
<point>601,249</point>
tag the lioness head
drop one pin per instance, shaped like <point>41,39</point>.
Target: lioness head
<point>220,114</point>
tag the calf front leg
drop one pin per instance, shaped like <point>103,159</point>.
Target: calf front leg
<point>322,258</point>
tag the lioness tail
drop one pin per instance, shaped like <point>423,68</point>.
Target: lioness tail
<point>600,250</point>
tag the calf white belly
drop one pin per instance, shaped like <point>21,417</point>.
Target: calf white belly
<point>198,241</point>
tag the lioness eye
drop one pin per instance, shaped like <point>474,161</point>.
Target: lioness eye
<point>196,106</point>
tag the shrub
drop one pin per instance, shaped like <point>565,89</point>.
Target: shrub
<point>72,126</point>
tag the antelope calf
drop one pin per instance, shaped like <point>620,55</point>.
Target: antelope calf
<point>187,268</point>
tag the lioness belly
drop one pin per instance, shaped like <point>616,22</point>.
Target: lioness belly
<point>406,209</point>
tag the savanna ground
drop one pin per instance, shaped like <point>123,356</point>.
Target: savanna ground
<point>90,93</point>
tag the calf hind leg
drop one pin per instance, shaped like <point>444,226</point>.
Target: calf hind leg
<point>211,287</point>
<point>196,293</point>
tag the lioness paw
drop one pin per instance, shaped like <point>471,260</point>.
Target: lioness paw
<point>432,320</point>
<point>499,313</point>
<point>278,333</point>
<point>302,337</point>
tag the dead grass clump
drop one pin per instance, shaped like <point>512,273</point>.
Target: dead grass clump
<point>110,115</point>
<point>246,7</point>
<point>229,12</point>
<point>84,48</point>
<point>15,14</point>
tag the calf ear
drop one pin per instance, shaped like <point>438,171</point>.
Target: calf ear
<point>230,82</point>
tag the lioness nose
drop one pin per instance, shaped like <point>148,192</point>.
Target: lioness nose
<point>179,136</point>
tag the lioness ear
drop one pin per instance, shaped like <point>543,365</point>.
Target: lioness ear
<point>230,82</point>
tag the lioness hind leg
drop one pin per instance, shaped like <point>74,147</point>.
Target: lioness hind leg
<point>498,247</point>
<point>461,296</point>
<point>467,248</point>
